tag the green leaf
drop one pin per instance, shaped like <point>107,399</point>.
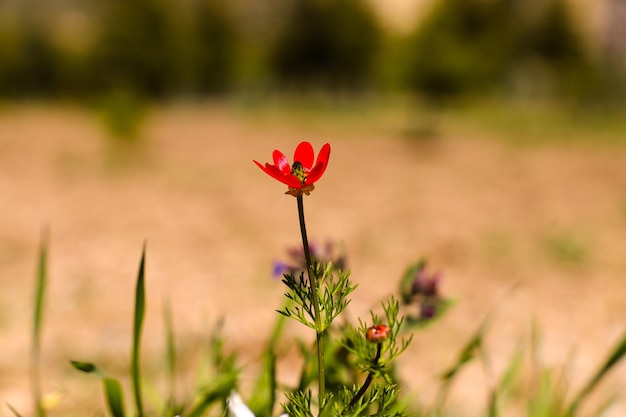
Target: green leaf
<point>40,290</point>
<point>264,395</point>
<point>114,397</point>
<point>13,410</point>
<point>466,355</point>
<point>614,357</point>
<point>218,390</point>
<point>406,282</point>
<point>112,388</point>
<point>507,381</point>
<point>86,367</point>
<point>171,359</point>
<point>140,308</point>
<point>601,409</point>
<point>309,367</point>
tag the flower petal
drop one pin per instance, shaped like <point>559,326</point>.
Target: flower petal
<point>263,167</point>
<point>272,171</point>
<point>316,173</point>
<point>305,155</point>
<point>281,162</point>
<point>275,173</point>
<point>292,181</point>
<point>324,154</point>
<point>260,165</point>
<point>320,166</point>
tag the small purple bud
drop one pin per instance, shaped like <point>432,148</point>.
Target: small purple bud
<point>280,268</point>
<point>426,285</point>
<point>428,310</point>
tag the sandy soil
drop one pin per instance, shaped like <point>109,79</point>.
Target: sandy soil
<point>491,216</point>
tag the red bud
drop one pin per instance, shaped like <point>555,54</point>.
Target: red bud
<point>378,333</point>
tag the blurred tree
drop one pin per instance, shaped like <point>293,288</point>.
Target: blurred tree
<point>29,60</point>
<point>478,46</point>
<point>217,41</point>
<point>137,47</point>
<point>555,37</point>
<point>329,44</point>
<point>462,46</point>
<point>558,45</point>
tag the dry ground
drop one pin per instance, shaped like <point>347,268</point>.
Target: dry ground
<point>490,215</point>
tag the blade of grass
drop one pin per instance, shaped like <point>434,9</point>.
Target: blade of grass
<point>13,410</point>
<point>614,357</point>
<point>542,400</point>
<point>263,397</point>
<point>601,409</point>
<point>307,372</point>
<point>218,390</point>
<point>114,396</point>
<point>140,309</point>
<point>112,388</point>
<point>508,380</point>
<point>466,355</point>
<point>171,355</point>
<point>40,289</point>
<point>492,401</point>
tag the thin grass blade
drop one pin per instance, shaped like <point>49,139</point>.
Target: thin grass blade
<point>218,390</point>
<point>264,394</point>
<point>614,357</point>
<point>171,358</point>
<point>506,382</point>
<point>40,290</point>
<point>13,410</point>
<point>140,309</point>
<point>466,355</point>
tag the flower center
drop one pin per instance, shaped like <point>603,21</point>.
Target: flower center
<point>298,171</point>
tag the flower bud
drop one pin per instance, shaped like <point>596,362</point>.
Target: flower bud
<point>378,333</point>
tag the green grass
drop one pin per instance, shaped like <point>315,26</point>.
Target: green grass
<point>519,122</point>
<point>566,249</point>
<point>544,392</point>
<point>536,122</point>
<point>140,312</point>
<point>38,316</point>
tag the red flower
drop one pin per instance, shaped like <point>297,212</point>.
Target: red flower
<point>378,333</point>
<point>302,174</point>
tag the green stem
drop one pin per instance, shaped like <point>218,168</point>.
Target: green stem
<point>316,307</point>
<point>368,380</point>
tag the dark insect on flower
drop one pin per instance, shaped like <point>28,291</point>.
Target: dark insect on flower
<point>300,176</point>
<point>378,333</point>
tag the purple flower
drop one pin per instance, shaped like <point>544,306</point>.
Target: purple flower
<point>295,264</point>
<point>426,284</point>
<point>419,289</point>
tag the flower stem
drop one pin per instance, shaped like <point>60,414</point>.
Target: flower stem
<point>316,307</point>
<point>368,380</point>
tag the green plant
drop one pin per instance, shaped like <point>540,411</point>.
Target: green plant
<point>351,368</point>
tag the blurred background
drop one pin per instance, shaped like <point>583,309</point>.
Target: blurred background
<point>487,136</point>
<point>437,50</point>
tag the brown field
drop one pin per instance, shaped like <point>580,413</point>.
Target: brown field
<point>549,220</point>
